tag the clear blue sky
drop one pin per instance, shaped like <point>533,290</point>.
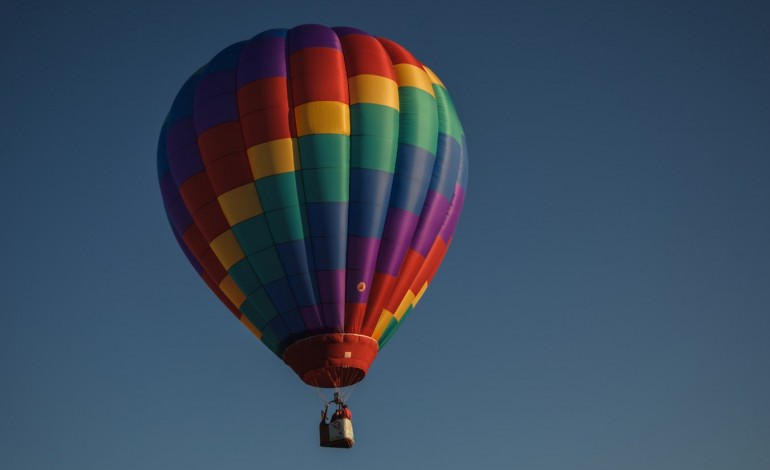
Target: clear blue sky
<point>615,247</point>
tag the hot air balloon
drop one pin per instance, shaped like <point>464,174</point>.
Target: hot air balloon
<point>314,177</point>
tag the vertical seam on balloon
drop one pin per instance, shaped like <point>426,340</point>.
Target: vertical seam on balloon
<point>347,216</point>
<point>205,171</point>
<point>251,264</point>
<point>263,286</point>
<point>373,319</point>
<point>272,237</point>
<point>441,104</point>
<point>299,179</point>
<point>441,108</point>
<point>204,273</point>
<point>385,203</point>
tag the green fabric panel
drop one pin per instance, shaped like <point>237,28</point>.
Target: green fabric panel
<point>326,184</point>
<point>449,123</point>
<point>267,265</point>
<point>373,137</point>
<point>418,121</point>
<point>324,151</point>
<point>272,343</point>
<point>244,276</point>
<point>373,119</point>
<point>392,326</point>
<point>278,191</point>
<point>374,153</point>
<point>254,316</point>
<point>262,305</point>
<point>287,224</point>
<point>253,234</point>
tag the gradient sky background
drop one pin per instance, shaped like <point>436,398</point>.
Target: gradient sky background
<point>605,304</point>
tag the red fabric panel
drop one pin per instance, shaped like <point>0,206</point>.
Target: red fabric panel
<point>382,286</point>
<point>222,139</point>
<point>365,55</point>
<point>398,55</point>
<point>194,241</point>
<point>196,192</point>
<point>267,124</point>
<point>406,275</point>
<point>432,270</point>
<point>260,94</point>
<point>354,317</point>
<point>213,267</point>
<point>211,221</point>
<point>229,172</point>
<point>318,74</point>
<point>432,262</point>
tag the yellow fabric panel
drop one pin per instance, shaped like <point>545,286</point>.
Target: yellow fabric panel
<point>419,294</point>
<point>405,304</point>
<point>409,75</point>
<point>271,158</point>
<point>382,323</point>
<point>251,326</point>
<point>374,89</point>
<point>240,203</point>
<point>322,117</point>
<point>228,251</point>
<point>433,77</point>
<point>232,291</point>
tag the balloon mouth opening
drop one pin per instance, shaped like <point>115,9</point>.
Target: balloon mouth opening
<point>331,360</point>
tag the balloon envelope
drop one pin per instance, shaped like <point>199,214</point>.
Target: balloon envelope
<point>314,178</point>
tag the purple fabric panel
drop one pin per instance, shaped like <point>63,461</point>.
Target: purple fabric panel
<point>345,30</point>
<point>178,215</point>
<point>312,318</point>
<point>312,35</point>
<point>354,276</point>
<point>434,212</point>
<point>362,258</point>
<point>215,84</point>
<point>362,252</point>
<point>168,188</point>
<point>180,135</point>
<point>334,317</point>
<point>215,101</point>
<point>185,162</point>
<point>330,285</point>
<point>262,57</point>
<point>454,214</point>
<point>399,227</point>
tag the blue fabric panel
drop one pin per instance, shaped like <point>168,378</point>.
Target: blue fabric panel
<point>294,321</point>
<point>327,219</point>
<point>448,156</point>
<point>366,220</point>
<point>281,296</point>
<point>412,177</point>
<point>372,186</point>
<point>305,289</point>
<point>330,252</point>
<point>464,165</point>
<point>227,59</point>
<point>182,108</point>
<point>294,257</point>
